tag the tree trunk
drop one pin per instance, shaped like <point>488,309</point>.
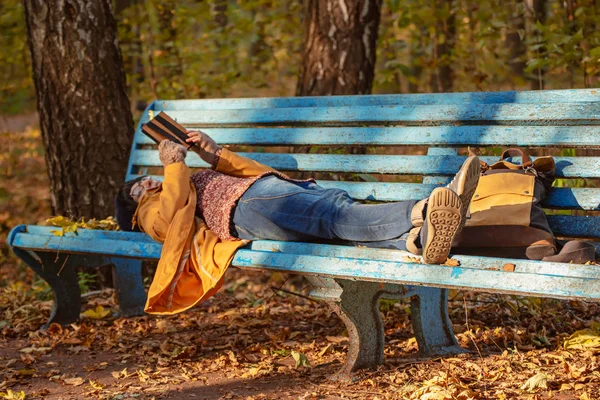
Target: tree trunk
<point>85,118</point>
<point>442,79</point>
<point>417,54</point>
<point>131,48</point>
<point>515,41</point>
<point>538,11</point>
<point>173,69</point>
<point>340,47</point>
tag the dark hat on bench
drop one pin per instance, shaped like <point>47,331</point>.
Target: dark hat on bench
<point>125,206</point>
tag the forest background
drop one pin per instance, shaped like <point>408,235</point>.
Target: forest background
<point>252,329</point>
<point>253,48</point>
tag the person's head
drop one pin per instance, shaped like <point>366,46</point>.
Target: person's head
<point>128,198</point>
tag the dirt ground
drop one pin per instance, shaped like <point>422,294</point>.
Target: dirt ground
<point>241,345</point>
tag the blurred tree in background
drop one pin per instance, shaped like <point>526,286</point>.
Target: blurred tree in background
<point>85,120</point>
<point>225,48</point>
<point>17,94</point>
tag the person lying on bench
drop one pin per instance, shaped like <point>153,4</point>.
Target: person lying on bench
<point>203,218</point>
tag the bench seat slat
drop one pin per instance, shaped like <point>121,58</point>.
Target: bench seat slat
<point>421,274</point>
<point>573,167</point>
<point>76,245</point>
<point>517,114</point>
<point>476,135</point>
<point>367,253</point>
<point>561,280</point>
<point>535,96</point>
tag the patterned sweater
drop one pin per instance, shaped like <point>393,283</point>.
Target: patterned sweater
<point>217,195</point>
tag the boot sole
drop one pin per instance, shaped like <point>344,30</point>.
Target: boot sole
<point>443,222</point>
<point>467,184</point>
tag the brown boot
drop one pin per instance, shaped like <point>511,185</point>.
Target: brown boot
<point>443,220</point>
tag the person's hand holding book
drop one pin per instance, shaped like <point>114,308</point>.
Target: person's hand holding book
<point>205,146</point>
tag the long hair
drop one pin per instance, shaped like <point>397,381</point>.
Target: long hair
<point>125,205</point>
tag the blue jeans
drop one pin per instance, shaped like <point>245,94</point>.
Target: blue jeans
<point>276,209</point>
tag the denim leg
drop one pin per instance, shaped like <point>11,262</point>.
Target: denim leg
<point>276,209</point>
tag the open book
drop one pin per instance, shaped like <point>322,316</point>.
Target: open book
<point>162,127</point>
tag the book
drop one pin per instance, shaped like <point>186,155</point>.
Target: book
<point>162,127</point>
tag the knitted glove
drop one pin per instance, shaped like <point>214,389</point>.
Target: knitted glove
<point>171,152</point>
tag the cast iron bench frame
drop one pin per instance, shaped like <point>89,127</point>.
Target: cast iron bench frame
<point>353,279</point>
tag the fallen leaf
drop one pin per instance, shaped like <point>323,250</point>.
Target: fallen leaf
<point>74,381</point>
<point>508,267</point>
<point>40,350</point>
<point>412,259</point>
<point>96,385</point>
<point>583,339</point>
<point>26,372</point>
<point>301,359</point>
<point>98,313</point>
<point>451,262</point>
<point>539,380</point>
<point>325,350</point>
<point>252,372</point>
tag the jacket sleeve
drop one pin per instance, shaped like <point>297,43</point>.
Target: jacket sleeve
<point>233,164</point>
<point>155,217</point>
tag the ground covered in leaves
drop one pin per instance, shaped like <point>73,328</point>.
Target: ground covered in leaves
<point>260,337</point>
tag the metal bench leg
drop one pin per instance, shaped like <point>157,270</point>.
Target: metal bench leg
<point>357,304</point>
<point>129,286</point>
<point>431,324</point>
<point>59,272</point>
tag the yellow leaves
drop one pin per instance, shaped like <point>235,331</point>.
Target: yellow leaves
<point>540,380</point>
<point>252,372</point>
<point>67,225</point>
<point>142,376</point>
<point>582,340</point>
<point>10,395</point>
<point>98,313</point>
<point>120,374</point>
<point>96,385</point>
<point>301,359</point>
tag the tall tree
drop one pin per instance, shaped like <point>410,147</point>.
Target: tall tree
<point>85,118</point>
<point>442,78</point>
<point>537,10</point>
<point>339,48</point>
<point>515,40</point>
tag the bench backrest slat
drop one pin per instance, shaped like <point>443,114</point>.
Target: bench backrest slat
<point>568,167</point>
<point>507,113</point>
<point>474,135</point>
<point>546,96</point>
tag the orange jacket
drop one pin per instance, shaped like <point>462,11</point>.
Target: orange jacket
<point>193,258</point>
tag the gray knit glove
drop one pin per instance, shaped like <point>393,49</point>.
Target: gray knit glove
<point>171,152</point>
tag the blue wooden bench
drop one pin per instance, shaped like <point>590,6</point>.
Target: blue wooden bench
<point>352,279</point>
